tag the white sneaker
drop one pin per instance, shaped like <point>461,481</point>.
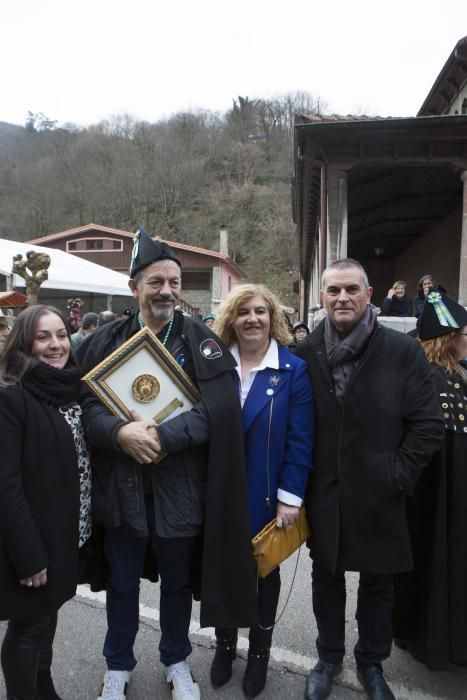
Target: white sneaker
<point>182,683</point>
<point>115,685</point>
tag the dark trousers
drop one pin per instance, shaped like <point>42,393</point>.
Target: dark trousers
<point>374,610</point>
<point>26,650</point>
<point>125,555</point>
<point>260,636</point>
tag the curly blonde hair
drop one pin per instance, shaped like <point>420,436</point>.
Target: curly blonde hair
<point>443,351</point>
<point>228,312</point>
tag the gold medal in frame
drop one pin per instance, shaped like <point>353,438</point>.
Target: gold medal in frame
<point>142,375</point>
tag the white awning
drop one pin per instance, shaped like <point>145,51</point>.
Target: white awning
<point>66,271</point>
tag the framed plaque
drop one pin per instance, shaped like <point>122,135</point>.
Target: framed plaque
<point>142,375</point>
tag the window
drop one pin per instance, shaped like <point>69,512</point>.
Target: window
<point>84,245</point>
<point>464,106</point>
<point>95,244</point>
<point>196,279</point>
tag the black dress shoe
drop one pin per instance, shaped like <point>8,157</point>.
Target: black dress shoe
<point>319,682</point>
<point>372,679</point>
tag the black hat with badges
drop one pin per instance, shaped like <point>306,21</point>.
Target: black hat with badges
<point>147,250</point>
<point>440,316</point>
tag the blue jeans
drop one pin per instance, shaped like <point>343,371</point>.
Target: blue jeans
<point>125,555</point>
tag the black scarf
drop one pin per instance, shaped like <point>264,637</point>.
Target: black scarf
<point>57,387</point>
<point>344,354</point>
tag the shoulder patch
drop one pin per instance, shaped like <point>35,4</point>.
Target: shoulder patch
<point>210,349</point>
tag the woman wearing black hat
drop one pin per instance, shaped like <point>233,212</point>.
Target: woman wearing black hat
<point>430,613</point>
<point>44,471</point>
<point>299,331</point>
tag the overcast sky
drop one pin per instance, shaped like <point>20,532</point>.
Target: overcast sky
<point>87,60</point>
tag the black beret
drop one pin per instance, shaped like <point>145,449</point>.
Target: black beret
<point>147,250</point>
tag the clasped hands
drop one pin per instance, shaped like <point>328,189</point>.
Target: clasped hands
<point>139,439</point>
<point>286,515</point>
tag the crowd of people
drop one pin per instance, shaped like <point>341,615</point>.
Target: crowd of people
<point>363,426</point>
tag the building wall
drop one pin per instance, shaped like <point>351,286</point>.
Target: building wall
<point>200,299</point>
<point>456,106</point>
<point>436,253</point>
<point>228,279</point>
<point>380,276</point>
<point>114,260</point>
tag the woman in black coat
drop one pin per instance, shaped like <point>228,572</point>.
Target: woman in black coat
<point>430,612</point>
<point>397,303</point>
<point>43,473</point>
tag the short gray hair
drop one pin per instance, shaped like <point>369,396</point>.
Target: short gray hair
<point>344,264</point>
<point>139,275</point>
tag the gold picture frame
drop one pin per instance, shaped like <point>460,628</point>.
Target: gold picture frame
<point>142,375</point>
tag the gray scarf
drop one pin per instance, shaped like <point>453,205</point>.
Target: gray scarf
<point>344,354</point>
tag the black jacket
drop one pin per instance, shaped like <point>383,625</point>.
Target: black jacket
<point>397,307</point>
<point>194,486</point>
<point>39,505</point>
<point>369,452</point>
<point>430,606</point>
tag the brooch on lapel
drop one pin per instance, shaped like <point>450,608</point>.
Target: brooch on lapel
<point>274,380</point>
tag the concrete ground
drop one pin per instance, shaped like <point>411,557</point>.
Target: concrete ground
<point>79,666</point>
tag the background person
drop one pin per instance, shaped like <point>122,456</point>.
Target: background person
<point>183,510</point>
<point>377,424</point>
<point>430,614</point>
<point>425,285</point>
<point>105,317</point>
<point>44,467</point>
<point>276,398</point>
<point>209,320</point>
<point>88,326</point>
<point>300,331</point>
<point>4,330</point>
<point>397,303</point>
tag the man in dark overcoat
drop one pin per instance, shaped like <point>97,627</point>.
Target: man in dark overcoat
<point>190,508</point>
<point>377,425</point>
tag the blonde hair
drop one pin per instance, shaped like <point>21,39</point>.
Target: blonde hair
<point>228,312</point>
<point>400,283</point>
<point>442,351</point>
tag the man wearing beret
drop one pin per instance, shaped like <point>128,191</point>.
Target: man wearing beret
<point>377,424</point>
<point>179,518</point>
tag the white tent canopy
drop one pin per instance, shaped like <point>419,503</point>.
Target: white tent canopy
<point>66,271</point>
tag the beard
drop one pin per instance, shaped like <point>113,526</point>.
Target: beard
<point>162,314</point>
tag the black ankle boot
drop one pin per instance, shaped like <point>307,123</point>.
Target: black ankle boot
<point>226,647</point>
<point>45,686</point>
<point>256,671</point>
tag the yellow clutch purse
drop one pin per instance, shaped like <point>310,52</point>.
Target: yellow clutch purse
<point>273,545</point>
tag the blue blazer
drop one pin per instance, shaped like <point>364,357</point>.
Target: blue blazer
<point>278,410</point>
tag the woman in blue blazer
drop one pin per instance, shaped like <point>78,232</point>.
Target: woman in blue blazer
<point>277,404</point>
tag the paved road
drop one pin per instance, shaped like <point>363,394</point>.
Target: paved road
<point>78,664</point>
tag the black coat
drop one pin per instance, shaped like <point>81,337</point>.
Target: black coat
<point>397,307</point>
<point>430,611</point>
<point>226,600</point>
<point>369,452</point>
<point>39,505</point>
